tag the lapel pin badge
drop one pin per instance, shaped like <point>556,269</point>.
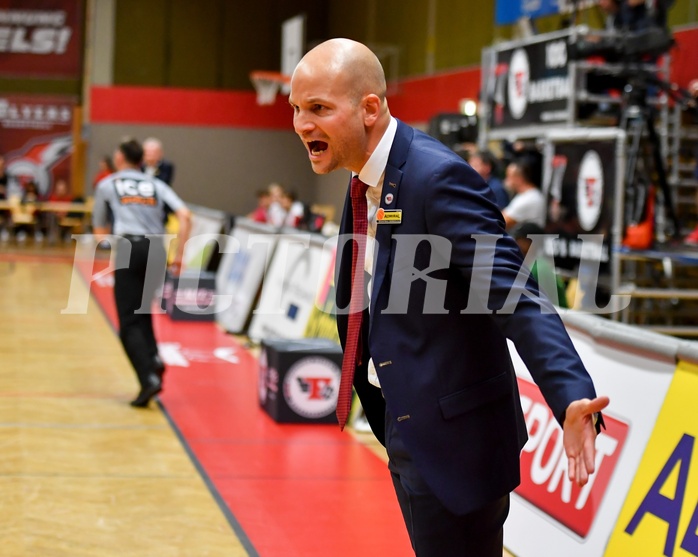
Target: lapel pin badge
<point>392,184</point>
<point>389,198</point>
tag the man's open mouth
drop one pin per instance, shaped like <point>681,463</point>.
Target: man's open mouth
<point>317,147</point>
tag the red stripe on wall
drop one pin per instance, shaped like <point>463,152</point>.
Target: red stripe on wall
<point>684,57</point>
<point>418,99</point>
<point>186,107</point>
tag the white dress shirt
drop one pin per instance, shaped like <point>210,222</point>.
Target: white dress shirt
<point>372,174</point>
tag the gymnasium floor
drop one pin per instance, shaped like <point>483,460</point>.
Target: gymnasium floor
<point>202,472</point>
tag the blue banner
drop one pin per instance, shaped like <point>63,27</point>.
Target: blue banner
<point>509,11</point>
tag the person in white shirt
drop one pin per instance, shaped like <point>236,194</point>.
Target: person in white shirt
<point>528,203</point>
<point>276,214</point>
<point>295,210</point>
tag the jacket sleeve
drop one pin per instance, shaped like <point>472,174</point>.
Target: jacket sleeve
<point>459,208</point>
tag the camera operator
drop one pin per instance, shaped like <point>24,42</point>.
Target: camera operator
<point>634,15</point>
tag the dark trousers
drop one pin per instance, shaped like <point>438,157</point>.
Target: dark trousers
<point>134,290</point>
<point>434,530</point>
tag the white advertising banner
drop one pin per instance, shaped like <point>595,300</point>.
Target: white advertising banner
<point>241,272</point>
<point>297,270</point>
<point>206,228</point>
<point>549,516</point>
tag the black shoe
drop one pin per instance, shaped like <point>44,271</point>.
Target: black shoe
<point>147,392</point>
<point>159,366</point>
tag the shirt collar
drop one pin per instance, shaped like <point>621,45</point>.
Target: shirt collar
<point>372,172</point>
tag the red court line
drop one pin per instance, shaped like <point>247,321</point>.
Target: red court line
<point>295,490</point>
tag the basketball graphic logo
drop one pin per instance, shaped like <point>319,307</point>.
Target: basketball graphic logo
<point>589,190</point>
<point>517,83</point>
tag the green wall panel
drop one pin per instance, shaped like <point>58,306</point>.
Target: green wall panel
<point>140,45</point>
<point>195,37</point>
<point>351,20</point>
<point>42,86</point>
<point>683,12</point>
<point>207,43</point>
<point>404,24</point>
<point>463,29</point>
<point>248,32</point>
<point>217,43</point>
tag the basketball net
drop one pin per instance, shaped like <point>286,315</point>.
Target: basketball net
<point>268,84</point>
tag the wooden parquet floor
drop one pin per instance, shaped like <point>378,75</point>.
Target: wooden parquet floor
<point>82,474</point>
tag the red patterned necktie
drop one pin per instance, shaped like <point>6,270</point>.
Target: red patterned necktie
<point>352,348</point>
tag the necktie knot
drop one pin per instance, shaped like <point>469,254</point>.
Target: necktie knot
<point>358,188</point>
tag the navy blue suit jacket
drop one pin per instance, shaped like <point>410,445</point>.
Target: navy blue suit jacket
<point>164,172</point>
<point>446,376</point>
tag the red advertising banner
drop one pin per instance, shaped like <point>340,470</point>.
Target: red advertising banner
<point>36,139</point>
<point>544,481</point>
<point>41,38</point>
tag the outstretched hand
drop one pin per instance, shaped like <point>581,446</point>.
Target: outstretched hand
<point>579,435</point>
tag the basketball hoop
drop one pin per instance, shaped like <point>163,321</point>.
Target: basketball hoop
<point>267,85</point>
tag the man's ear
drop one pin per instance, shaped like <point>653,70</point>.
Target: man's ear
<point>372,107</point>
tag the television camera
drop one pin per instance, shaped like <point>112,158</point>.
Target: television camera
<point>630,55</point>
<point>622,46</point>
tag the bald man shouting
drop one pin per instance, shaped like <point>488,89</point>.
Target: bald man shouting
<point>426,347</point>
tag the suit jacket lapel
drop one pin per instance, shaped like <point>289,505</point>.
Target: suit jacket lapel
<point>384,232</point>
<point>391,187</point>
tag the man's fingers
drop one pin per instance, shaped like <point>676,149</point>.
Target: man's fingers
<point>577,471</point>
<point>583,474</point>
<point>589,454</point>
<point>580,445</point>
<point>598,404</point>
<point>585,407</point>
